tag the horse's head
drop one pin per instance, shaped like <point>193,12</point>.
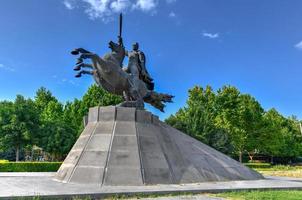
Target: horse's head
<point>118,50</point>
<point>116,47</point>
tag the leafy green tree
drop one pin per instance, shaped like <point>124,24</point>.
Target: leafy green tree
<point>281,137</point>
<point>73,116</point>
<point>241,116</point>
<point>96,96</point>
<point>42,98</point>
<point>178,120</point>
<point>6,112</point>
<point>200,112</point>
<point>197,119</point>
<point>21,126</point>
<point>227,120</point>
<point>251,121</point>
<point>57,136</point>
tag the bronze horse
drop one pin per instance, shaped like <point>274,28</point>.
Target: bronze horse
<point>108,74</point>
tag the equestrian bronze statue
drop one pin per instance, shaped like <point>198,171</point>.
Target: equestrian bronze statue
<point>133,82</point>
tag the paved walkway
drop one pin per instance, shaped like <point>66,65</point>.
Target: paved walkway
<point>42,184</point>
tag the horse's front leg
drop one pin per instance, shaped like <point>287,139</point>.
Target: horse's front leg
<point>77,51</point>
<point>87,55</point>
<point>79,66</point>
<point>78,75</point>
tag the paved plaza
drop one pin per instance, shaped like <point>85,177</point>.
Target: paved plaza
<point>43,184</point>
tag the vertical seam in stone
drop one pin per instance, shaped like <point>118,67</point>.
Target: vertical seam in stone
<point>139,149</point>
<point>166,157</point>
<point>76,165</point>
<point>110,146</point>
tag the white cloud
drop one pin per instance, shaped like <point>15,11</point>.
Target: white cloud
<point>105,9</point>
<point>65,81</point>
<point>170,1</point>
<point>98,9</point>
<point>145,5</point>
<point>120,5</point>
<point>210,35</point>
<point>299,45</point>
<point>72,82</point>
<point>172,14</point>
<point>4,67</point>
<point>69,4</point>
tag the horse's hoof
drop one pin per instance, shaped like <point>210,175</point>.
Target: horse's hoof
<point>74,52</point>
<point>78,75</point>
<point>77,68</point>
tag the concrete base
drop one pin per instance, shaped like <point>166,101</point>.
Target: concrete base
<point>42,184</point>
<point>124,146</point>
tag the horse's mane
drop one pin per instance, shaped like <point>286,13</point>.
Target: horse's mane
<point>112,58</point>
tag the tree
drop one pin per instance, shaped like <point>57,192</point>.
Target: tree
<point>42,98</point>
<point>73,116</point>
<point>6,112</point>
<point>97,96</point>
<point>281,136</point>
<point>251,121</point>
<point>21,126</point>
<point>57,136</point>
<point>197,119</point>
<point>227,120</point>
<point>241,116</point>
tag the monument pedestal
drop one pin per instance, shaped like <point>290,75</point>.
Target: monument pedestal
<point>125,146</point>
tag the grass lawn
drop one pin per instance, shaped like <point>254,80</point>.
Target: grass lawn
<point>281,170</point>
<point>242,195</point>
<point>259,195</point>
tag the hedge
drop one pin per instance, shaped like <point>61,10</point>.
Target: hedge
<point>258,165</point>
<point>29,166</point>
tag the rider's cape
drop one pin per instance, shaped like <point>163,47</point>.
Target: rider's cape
<point>144,75</point>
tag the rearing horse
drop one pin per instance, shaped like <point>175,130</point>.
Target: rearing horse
<point>108,74</point>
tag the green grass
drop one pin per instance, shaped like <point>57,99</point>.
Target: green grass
<point>29,166</point>
<point>239,195</point>
<point>259,195</point>
<point>277,170</point>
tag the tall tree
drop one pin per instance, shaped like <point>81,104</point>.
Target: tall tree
<point>281,137</point>
<point>6,113</point>
<point>73,116</point>
<point>22,127</point>
<point>96,96</point>
<point>42,98</point>
<point>197,119</point>
<point>57,136</point>
<point>241,116</point>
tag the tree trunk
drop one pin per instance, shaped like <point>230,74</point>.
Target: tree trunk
<point>52,157</point>
<point>272,159</point>
<point>17,153</point>
<point>240,156</point>
<point>251,156</point>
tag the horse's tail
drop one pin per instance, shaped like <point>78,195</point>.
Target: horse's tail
<point>158,99</point>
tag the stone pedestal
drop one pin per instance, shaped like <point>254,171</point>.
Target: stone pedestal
<point>125,146</point>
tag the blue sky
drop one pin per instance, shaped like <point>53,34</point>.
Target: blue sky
<point>254,45</point>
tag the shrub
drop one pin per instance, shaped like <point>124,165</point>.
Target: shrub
<point>29,166</point>
<point>258,165</point>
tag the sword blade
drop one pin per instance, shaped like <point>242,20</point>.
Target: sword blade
<point>121,25</point>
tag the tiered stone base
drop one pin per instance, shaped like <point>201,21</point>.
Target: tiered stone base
<point>125,146</point>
